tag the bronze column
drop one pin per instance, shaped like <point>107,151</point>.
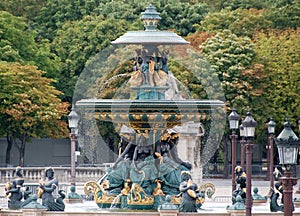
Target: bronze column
<point>233,138</point>
<point>249,147</point>
<point>288,183</point>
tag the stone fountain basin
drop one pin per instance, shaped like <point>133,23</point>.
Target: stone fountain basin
<point>143,114</point>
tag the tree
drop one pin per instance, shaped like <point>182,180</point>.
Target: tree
<point>279,52</point>
<point>283,14</point>
<point>18,44</point>
<point>232,57</point>
<point>29,106</point>
<point>181,16</point>
<point>242,22</point>
<point>27,9</point>
<point>78,41</point>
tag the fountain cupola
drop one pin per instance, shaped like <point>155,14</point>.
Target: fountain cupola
<point>150,18</point>
<point>151,35</point>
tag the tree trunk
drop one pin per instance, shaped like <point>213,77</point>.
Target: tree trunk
<point>8,149</point>
<point>21,149</point>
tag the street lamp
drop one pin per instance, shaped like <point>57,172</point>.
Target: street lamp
<point>287,144</point>
<point>73,119</point>
<point>249,128</point>
<point>242,141</point>
<point>271,131</point>
<point>233,125</point>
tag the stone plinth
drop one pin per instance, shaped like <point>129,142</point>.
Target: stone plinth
<point>72,201</point>
<point>33,212</point>
<point>170,212</point>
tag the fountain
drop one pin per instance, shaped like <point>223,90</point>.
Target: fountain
<point>148,167</point>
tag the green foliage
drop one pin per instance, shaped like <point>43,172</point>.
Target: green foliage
<point>243,4</point>
<point>188,79</point>
<point>284,14</point>
<point>174,13</point>
<point>18,45</point>
<point>279,52</point>
<point>56,12</point>
<point>29,109</point>
<point>181,16</point>
<point>28,9</point>
<point>242,22</point>
<point>231,57</point>
<point>78,41</point>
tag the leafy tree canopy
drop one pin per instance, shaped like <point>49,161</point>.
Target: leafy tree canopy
<point>175,14</point>
<point>18,45</point>
<point>231,57</point>
<point>279,52</point>
<point>29,109</point>
<point>78,41</point>
<point>241,22</point>
<point>28,9</point>
<point>284,14</point>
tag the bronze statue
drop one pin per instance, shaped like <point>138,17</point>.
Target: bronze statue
<point>46,189</point>
<point>18,195</point>
<point>119,172</point>
<point>143,170</point>
<point>241,181</point>
<point>274,206</point>
<point>73,194</point>
<point>189,193</point>
<point>170,165</point>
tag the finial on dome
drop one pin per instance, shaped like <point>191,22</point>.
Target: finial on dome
<point>150,18</point>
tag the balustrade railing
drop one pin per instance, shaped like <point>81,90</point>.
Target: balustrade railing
<point>62,174</point>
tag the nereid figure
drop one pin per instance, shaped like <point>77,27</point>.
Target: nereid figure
<point>46,189</point>
<point>16,191</point>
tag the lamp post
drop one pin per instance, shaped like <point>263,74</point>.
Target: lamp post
<point>242,141</point>
<point>233,125</point>
<point>271,131</point>
<point>287,144</point>
<point>249,127</point>
<point>73,119</point>
<point>298,190</point>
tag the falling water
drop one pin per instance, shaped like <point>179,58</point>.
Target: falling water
<point>115,201</point>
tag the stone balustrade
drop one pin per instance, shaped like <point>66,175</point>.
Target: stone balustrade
<point>62,174</point>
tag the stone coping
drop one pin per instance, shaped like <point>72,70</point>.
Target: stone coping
<point>39,212</point>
